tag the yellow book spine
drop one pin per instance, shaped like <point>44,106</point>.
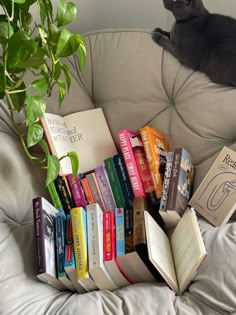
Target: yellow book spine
<point>78,216</point>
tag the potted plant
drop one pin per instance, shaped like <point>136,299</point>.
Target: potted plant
<point>39,48</point>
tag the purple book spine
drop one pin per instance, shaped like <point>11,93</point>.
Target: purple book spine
<point>105,188</point>
<point>77,191</point>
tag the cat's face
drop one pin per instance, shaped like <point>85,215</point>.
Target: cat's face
<point>183,9</point>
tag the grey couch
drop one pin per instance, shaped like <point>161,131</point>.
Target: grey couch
<point>136,83</point>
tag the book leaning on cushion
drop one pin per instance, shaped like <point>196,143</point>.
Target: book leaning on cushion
<point>97,268</point>
<point>87,133</point>
<point>215,198</point>
<point>176,258</point>
<point>44,222</point>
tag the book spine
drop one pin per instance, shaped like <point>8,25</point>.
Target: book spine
<point>87,190</point>
<point>129,245</point>
<point>105,187</point>
<point>156,147</point>
<point>97,196</point>
<point>139,234</point>
<point>60,243</point>
<point>78,216</point>
<point>124,179</point>
<point>64,193</point>
<point>114,182</point>
<point>120,231</point>
<point>145,173</point>
<point>77,191</point>
<point>109,235</point>
<point>39,234</point>
<point>166,182</point>
<point>132,169</point>
<point>173,186</point>
<point>54,196</point>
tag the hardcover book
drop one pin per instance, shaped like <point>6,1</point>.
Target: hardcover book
<point>177,259</point>
<point>64,192</point>
<point>79,228</point>
<point>180,186</point>
<point>93,183</point>
<point>77,191</point>
<point>97,268</point>
<point>124,138</point>
<point>215,198</point>
<point>44,222</point>
<point>87,133</point>
<point>156,147</point>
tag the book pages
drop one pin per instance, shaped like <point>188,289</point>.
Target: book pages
<point>188,248</point>
<point>159,251</point>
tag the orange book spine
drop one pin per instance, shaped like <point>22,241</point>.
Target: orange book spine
<point>87,190</point>
<point>156,148</point>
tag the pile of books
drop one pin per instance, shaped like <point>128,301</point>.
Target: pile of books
<point>107,227</point>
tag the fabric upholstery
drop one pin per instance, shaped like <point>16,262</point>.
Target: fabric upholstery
<point>136,83</point>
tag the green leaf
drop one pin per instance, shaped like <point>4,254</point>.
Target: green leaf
<point>42,11</point>
<point>6,31</point>
<point>43,144</point>
<point>18,99</point>
<point>2,79</point>
<point>57,73</point>
<point>82,55</point>
<point>62,91</point>
<point>43,35</point>
<point>21,48</point>
<point>66,70</point>
<point>35,108</point>
<point>36,60</point>
<point>53,168</point>
<point>68,43</point>
<point>34,135</point>
<point>19,1</point>
<point>41,86</point>
<point>74,162</point>
<point>66,13</point>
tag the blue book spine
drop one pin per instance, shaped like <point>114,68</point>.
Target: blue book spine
<point>60,243</point>
<point>120,231</point>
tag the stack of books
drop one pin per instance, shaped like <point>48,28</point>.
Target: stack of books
<point>107,227</point>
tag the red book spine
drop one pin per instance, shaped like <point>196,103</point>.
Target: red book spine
<point>109,235</point>
<point>87,190</point>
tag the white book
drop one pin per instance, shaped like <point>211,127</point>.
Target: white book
<point>87,133</point>
<point>177,259</point>
<point>97,268</point>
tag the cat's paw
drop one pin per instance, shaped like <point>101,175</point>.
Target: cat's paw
<point>156,36</point>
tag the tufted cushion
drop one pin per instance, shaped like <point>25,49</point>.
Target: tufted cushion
<point>136,83</point>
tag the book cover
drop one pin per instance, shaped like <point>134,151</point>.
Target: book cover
<point>76,191</point>
<point>105,187</point>
<point>124,180</point>
<point>177,259</point>
<point>97,195</point>
<point>87,133</point>
<point>69,264</point>
<point>155,146</point>
<point>180,186</point>
<point>60,220</point>
<point>44,222</point>
<point>166,182</point>
<point>124,137</point>
<point>215,198</point>
<point>114,182</point>
<point>109,247</point>
<point>97,268</point>
<point>79,228</point>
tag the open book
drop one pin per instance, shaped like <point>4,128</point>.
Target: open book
<point>178,258</point>
<point>87,133</point>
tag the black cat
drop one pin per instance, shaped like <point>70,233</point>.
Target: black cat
<point>201,40</point>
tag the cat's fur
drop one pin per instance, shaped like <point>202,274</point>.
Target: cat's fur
<point>201,40</point>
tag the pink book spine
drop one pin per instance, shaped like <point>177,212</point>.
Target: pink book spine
<point>77,191</point>
<point>127,152</point>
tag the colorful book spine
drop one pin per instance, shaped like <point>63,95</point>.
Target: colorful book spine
<point>166,182</point>
<point>105,187</point>
<point>114,182</point>
<point>77,191</point>
<point>97,195</point>
<point>129,230</point>
<point>54,196</point>
<point>139,234</point>
<point>87,190</point>
<point>79,228</point>
<point>124,180</point>
<point>120,231</point>
<point>124,137</point>
<point>64,193</point>
<point>156,148</point>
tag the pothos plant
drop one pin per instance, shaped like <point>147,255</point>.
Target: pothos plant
<point>39,48</point>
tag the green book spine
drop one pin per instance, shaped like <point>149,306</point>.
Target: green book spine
<point>54,196</point>
<point>114,182</point>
